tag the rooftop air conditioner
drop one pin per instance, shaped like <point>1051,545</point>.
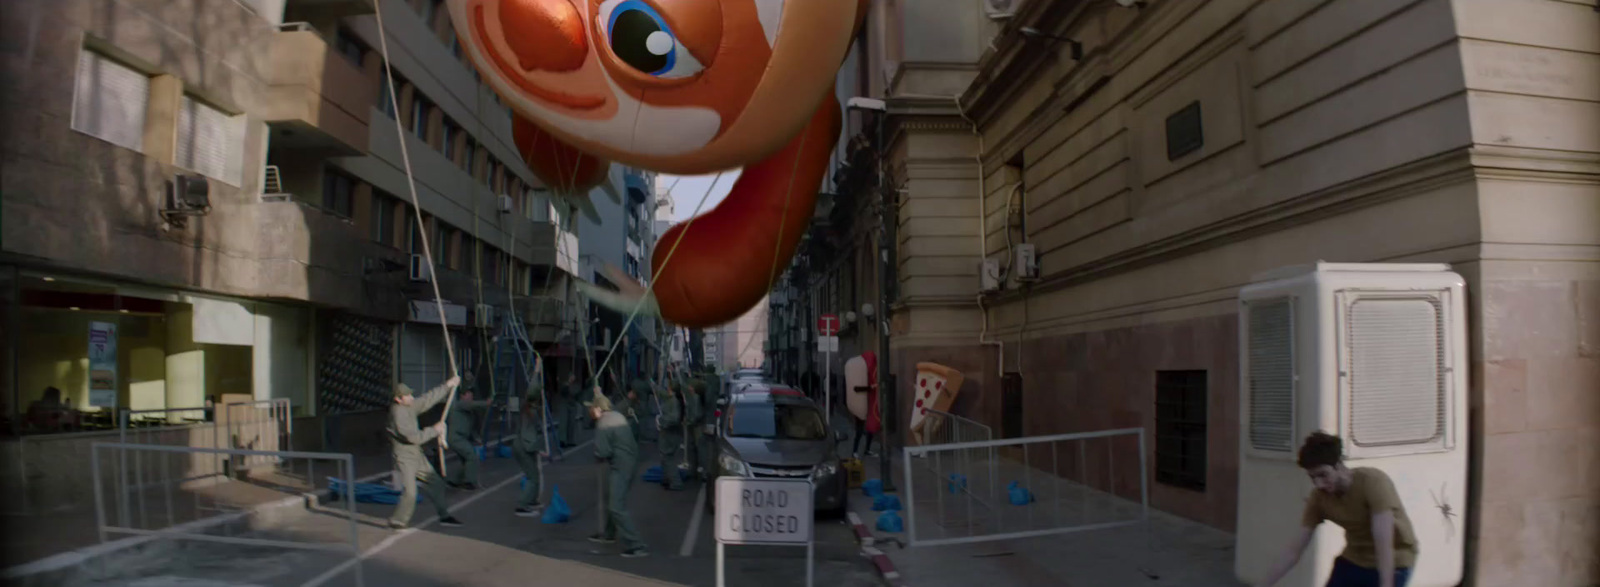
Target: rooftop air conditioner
<point>421,270</point>
<point>505,203</point>
<point>1001,9</point>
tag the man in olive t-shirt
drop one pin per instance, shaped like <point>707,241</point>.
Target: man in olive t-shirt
<point>1380,546</point>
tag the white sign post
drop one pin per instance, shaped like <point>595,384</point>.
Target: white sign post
<point>764,511</point>
<point>828,344</point>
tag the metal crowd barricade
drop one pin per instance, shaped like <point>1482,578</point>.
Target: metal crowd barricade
<point>260,425</point>
<point>181,427</point>
<point>168,499</point>
<point>962,492</point>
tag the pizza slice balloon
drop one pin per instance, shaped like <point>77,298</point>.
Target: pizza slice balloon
<point>937,388</point>
<point>685,87</point>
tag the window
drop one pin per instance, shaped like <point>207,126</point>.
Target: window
<point>110,101</point>
<point>1181,429</point>
<point>210,142</point>
<point>630,265</point>
<point>387,103</point>
<point>414,240</point>
<point>441,245</point>
<point>1184,134</point>
<point>338,192</point>
<point>352,48</point>
<point>469,153</point>
<point>450,131</point>
<point>420,110</point>
<point>775,421</point>
<point>384,207</point>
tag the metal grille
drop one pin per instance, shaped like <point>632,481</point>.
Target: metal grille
<point>1396,363</point>
<point>1181,428</point>
<point>1271,351</point>
<point>354,374</point>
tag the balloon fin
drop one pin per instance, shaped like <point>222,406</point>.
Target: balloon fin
<point>620,301</point>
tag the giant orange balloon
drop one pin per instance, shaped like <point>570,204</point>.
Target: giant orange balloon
<point>683,87</point>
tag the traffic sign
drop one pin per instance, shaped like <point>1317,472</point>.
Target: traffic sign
<point>763,511</point>
<point>828,324</point>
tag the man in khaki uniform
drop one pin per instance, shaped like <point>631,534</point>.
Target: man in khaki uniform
<point>1380,545</point>
<point>408,459</point>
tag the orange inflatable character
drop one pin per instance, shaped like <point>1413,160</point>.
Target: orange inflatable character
<point>684,87</point>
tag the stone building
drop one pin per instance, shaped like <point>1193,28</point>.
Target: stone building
<point>1156,156</point>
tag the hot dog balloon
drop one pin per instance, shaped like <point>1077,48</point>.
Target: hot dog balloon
<point>684,87</point>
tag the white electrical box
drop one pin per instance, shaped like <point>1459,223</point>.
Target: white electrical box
<point>1027,262</point>
<point>505,203</point>
<point>990,274</point>
<point>1375,353</point>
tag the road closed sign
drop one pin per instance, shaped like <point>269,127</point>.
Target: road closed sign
<point>763,511</point>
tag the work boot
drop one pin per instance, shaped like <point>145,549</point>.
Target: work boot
<point>528,511</point>
<point>450,521</point>
<point>635,552</point>
<point>601,539</point>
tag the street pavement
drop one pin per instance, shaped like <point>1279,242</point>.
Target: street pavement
<point>493,548</point>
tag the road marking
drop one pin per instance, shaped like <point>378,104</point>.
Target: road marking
<point>694,523</point>
<point>397,536</point>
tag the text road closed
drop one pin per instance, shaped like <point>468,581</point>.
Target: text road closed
<point>763,511</point>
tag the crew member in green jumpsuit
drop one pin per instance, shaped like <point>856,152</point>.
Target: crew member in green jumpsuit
<point>461,427</point>
<point>571,410</point>
<point>615,445</point>
<point>408,440</point>
<point>529,449</point>
<point>669,436</point>
<point>693,422</point>
<point>707,404</point>
<point>630,407</point>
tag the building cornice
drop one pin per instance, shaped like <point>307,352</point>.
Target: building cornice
<point>1419,176</point>
<point>1014,57</point>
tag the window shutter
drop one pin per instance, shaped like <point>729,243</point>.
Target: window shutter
<point>1396,371</point>
<point>110,101</point>
<point>209,141</point>
<point>1271,351</point>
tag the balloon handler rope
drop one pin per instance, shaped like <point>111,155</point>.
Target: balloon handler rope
<point>416,208</point>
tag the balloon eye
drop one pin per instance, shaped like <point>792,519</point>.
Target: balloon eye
<point>641,39</point>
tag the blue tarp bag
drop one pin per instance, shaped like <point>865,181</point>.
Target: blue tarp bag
<point>1019,494</point>
<point>885,502</point>
<point>483,454</point>
<point>890,522</point>
<point>504,451</point>
<point>367,492</point>
<point>872,487</point>
<point>557,512</point>
<point>653,474</point>
<point>957,483</point>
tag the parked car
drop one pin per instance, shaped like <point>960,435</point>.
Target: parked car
<point>777,432</point>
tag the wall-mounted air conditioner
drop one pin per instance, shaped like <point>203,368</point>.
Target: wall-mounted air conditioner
<point>1001,9</point>
<point>1376,354</point>
<point>990,278</point>
<point>1027,262</point>
<point>505,203</point>
<point>421,270</point>
<point>485,315</point>
<point>188,194</point>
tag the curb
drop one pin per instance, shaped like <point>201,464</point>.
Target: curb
<point>886,568</point>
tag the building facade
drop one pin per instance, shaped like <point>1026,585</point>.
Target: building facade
<point>621,233</point>
<point>1155,157</point>
<point>209,200</point>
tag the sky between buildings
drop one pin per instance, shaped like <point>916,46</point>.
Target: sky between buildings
<point>688,190</point>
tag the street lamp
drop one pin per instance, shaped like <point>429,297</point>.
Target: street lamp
<point>886,393</point>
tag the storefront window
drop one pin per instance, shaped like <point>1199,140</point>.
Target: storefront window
<point>82,351</point>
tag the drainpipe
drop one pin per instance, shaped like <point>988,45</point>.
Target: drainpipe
<point>983,240</point>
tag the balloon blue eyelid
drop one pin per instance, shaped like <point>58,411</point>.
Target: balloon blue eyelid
<point>640,5</point>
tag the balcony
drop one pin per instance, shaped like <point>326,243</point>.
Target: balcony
<point>554,247</point>
<point>314,10</point>
<point>310,255</point>
<point>316,98</point>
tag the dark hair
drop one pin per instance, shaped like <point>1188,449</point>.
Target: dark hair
<point>1321,449</point>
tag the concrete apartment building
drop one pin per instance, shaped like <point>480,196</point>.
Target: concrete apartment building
<point>298,274</point>
<point>622,234</point>
<point>1158,156</point>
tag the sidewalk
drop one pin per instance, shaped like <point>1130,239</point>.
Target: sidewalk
<point>1167,551</point>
